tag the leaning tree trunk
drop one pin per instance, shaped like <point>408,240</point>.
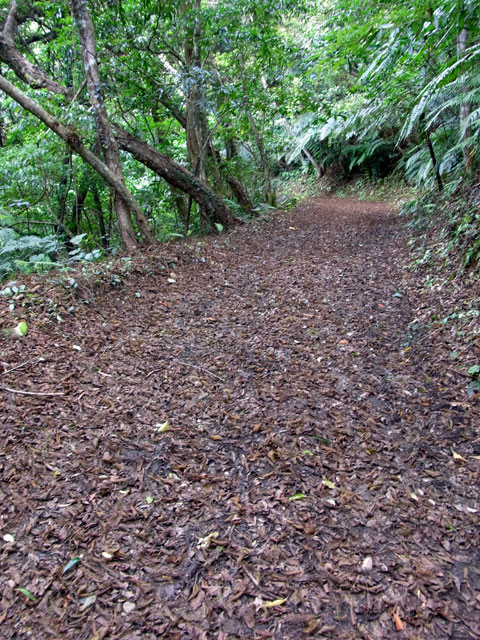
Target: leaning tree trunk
<point>465,107</point>
<point>22,67</point>
<point>177,176</point>
<point>73,140</point>
<point>313,162</point>
<point>109,144</point>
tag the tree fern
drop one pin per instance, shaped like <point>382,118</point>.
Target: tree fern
<point>435,85</point>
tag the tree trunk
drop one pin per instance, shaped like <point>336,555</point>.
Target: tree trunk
<point>182,208</point>
<point>268,192</point>
<point>105,237</point>
<point>109,144</point>
<point>22,67</point>
<point>231,148</point>
<point>64,188</point>
<point>2,131</point>
<point>71,137</point>
<point>433,157</point>
<point>465,107</point>
<point>196,118</point>
<point>239,191</point>
<point>77,207</point>
<point>313,162</point>
<point>177,176</point>
<point>240,194</point>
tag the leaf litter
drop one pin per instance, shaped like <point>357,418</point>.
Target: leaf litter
<point>268,452</point>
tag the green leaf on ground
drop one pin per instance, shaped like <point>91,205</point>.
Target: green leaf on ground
<point>71,564</point>
<point>27,593</point>
<point>21,329</point>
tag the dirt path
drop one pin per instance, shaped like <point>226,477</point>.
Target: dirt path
<point>318,476</point>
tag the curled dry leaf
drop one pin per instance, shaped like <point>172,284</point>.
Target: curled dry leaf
<point>399,626</point>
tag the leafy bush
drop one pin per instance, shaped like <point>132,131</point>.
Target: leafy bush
<point>456,216</point>
<point>26,254</point>
<point>81,254</point>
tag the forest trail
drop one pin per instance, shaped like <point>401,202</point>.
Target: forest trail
<point>319,473</point>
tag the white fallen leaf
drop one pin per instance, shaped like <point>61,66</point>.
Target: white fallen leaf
<point>367,564</point>
<point>75,347</point>
<point>204,543</point>
<point>87,602</point>
<point>128,606</point>
<point>8,537</point>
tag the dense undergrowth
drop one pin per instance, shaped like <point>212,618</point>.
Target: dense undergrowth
<point>447,229</point>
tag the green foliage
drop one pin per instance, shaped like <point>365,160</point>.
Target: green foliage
<point>354,89</point>
<point>80,254</point>
<point>26,254</point>
<point>455,214</point>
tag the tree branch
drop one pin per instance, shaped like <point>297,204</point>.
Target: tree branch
<point>22,67</point>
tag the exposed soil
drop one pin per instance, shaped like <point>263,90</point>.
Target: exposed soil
<point>319,473</point>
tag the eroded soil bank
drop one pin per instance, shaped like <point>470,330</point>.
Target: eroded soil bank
<point>318,475</point>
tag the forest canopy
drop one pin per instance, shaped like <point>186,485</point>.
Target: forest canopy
<point>126,122</point>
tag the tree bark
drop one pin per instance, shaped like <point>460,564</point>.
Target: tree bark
<point>313,162</point>
<point>22,67</point>
<point>433,157</point>
<point>78,206</point>
<point>109,144</point>
<point>240,194</point>
<point>73,140</point>
<point>196,119</point>
<point>177,176</point>
<point>182,208</point>
<point>268,193</point>
<point>238,189</point>
<point>465,107</point>
<point>105,237</point>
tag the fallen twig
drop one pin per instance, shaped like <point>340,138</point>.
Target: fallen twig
<point>34,393</point>
<point>251,576</point>
<point>19,366</point>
